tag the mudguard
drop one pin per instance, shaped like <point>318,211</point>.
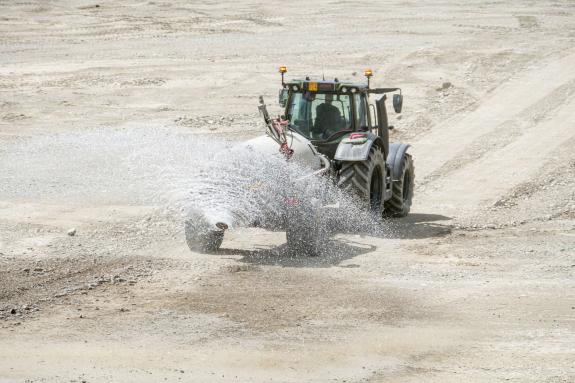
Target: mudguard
<point>394,159</point>
<point>347,151</point>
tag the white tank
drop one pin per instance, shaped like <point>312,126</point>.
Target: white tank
<point>303,151</point>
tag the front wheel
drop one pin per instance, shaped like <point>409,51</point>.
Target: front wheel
<point>364,180</point>
<point>402,190</point>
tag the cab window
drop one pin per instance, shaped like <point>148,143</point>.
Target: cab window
<point>318,116</point>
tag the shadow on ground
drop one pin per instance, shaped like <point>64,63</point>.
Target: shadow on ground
<point>415,226</point>
<point>336,251</point>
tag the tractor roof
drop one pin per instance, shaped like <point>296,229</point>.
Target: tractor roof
<point>326,85</point>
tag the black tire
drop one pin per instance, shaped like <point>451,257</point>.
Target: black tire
<point>365,180</point>
<point>402,190</point>
<point>305,234</point>
<point>203,241</point>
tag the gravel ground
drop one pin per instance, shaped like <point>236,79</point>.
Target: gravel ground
<point>110,111</point>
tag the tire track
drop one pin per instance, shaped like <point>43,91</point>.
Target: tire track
<point>444,143</point>
<point>483,181</point>
<point>505,134</point>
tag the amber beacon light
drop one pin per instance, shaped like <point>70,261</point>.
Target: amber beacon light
<point>368,73</point>
<point>283,69</point>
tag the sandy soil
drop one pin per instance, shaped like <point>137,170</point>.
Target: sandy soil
<point>477,285</point>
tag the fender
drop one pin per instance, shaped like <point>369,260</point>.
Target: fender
<point>394,158</point>
<point>347,151</point>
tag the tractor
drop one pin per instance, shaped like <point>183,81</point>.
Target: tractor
<point>334,129</point>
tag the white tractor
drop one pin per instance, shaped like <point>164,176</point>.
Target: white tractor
<point>332,132</point>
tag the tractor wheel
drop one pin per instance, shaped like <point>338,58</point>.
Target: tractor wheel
<point>305,234</point>
<point>365,180</point>
<point>204,241</point>
<point>400,201</point>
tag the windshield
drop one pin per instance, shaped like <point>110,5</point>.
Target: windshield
<point>318,116</point>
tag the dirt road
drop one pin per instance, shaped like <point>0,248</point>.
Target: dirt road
<point>105,109</point>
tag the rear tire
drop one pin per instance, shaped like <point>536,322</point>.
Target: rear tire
<point>402,190</point>
<point>204,241</point>
<point>365,180</point>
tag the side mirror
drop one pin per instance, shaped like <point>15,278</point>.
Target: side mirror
<point>283,96</point>
<point>397,102</point>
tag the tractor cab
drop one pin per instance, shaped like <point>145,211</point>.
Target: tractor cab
<point>327,112</point>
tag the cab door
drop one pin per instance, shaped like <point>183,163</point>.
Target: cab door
<point>362,118</point>
<point>382,122</point>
